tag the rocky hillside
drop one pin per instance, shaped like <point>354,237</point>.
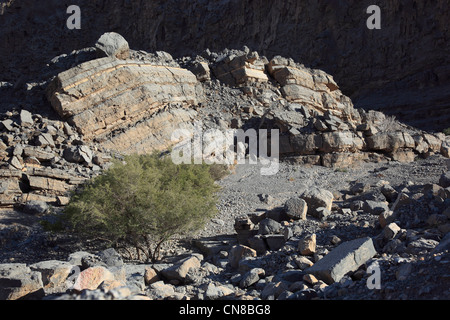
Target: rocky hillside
<point>91,105</point>
<point>317,234</point>
<point>402,69</point>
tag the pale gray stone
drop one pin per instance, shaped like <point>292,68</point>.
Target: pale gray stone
<point>348,256</point>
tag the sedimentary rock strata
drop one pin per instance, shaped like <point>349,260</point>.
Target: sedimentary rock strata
<point>107,95</point>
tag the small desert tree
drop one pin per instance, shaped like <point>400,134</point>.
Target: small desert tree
<point>143,202</point>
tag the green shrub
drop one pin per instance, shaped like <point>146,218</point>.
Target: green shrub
<point>446,131</point>
<point>143,202</point>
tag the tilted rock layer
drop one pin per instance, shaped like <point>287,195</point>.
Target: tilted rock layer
<point>135,105</point>
<point>101,96</point>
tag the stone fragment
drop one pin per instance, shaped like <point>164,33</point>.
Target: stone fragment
<point>359,187</point>
<point>78,154</point>
<point>303,262</point>
<point>296,208</point>
<point>76,257</point>
<point>403,199</point>
<point>311,279</point>
<point>239,252</point>
<point>201,71</point>
<point>240,69</point>
<point>16,163</point>
<point>390,141</point>
<point>7,125</point>
<point>214,292</point>
<point>307,245</point>
<point>258,243</point>
<point>404,155</point>
<point>180,269</point>
<point>112,44</point>
<point>322,213</point>
<point>111,258</point>
<point>251,277</point>
<point>273,289</point>
<point>26,119</point>
<point>335,240</point>
<point>43,183</point>
<point>421,245</point>
<point>320,125</point>
<point>347,257</point>
<point>34,207</point>
<point>375,207</point>
<point>385,218</point>
<point>244,228</point>
<point>160,290</point>
<point>38,153</point>
<point>269,226</point>
<point>316,198</point>
<point>275,241</point>
<point>444,180</point>
<point>445,149</point>
<point>340,141</point>
<point>389,192</point>
<point>390,231</point>
<point>433,142</point>
<point>150,275</point>
<point>44,140</point>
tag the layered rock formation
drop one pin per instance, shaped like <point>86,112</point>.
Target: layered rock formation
<point>135,105</point>
<point>402,69</point>
<point>106,95</point>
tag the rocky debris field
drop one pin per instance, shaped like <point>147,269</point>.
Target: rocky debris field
<point>359,208</point>
<point>313,234</point>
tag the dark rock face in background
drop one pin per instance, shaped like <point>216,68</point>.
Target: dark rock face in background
<point>402,69</point>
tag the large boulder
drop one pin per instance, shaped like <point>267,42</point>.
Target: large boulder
<point>112,44</point>
<point>54,273</point>
<point>296,208</point>
<point>317,198</point>
<point>92,277</point>
<point>17,281</point>
<point>123,104</point>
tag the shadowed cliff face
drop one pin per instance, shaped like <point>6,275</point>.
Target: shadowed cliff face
<point>402,69</point>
